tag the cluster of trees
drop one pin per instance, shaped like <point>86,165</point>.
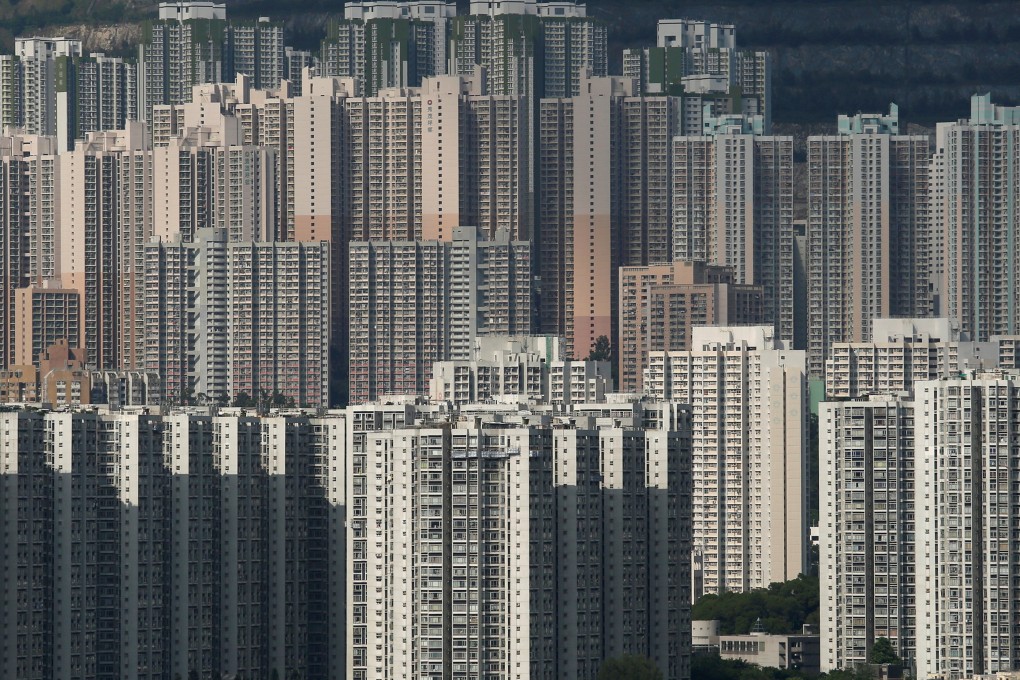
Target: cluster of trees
<point>781,608</point>
<point>629,667</point>
<point>242,399</point>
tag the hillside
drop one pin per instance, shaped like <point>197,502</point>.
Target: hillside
<point>831,56</point>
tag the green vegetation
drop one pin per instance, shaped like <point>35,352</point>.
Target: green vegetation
<point>884,652</point>
<point>629,667</point>
<point>603,351</point>
<point>781,608</point>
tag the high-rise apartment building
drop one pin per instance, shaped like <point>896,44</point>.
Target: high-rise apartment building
<point>44,315</point>
<point>976,175</point>
<point>104,214</point>
<point>733,206</point>
<point>10,91</point>
<point>530,48</point>
<point>48,96</point>
<point>604,178</point>
<point>750,449</point>
<point>193,43</point>
<point>80,218</point>
<point>49,88</point>
<point>388,43</point>
<point>869,251</point>
<point>689,51</point>
<point>540,548</point>
<point>903,352</point>
<point>868,528</point>
<point>186,310</point>
<point>229,321</point>
<point>255,49</point>
<point>660,305</point>
<point>280,321</point>
<point>965,442</point>
<point>106,95</point>
<point>194,543</point>
<point>295,63</point>
<point>523,370</point>
<point>916,510</point>
<point>413,303</point>
<point>14,236</point>
<point>251,510</point>
<point>424,161</point>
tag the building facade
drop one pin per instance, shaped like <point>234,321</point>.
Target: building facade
<point>539,560</point>
<point>604,170</point>
<point>733,206</point>
<point>660,306</point>
<point>868,241</point>
<point>413,303</point>
<point>975,174</point>
<point>750,442</point>
<point>913,502</point>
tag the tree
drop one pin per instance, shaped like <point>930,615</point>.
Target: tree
<point>602,351</point>
<point>243,399</point>
<point>629,667</point>
<point>781,608</point>
<point>884,652</point>
<point>275,675</point>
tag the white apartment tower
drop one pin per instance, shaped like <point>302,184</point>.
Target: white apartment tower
<point>976,176</point>
<point>144,547</point>
<point>227,321</point>
<point>47,100</point>
<point>966,440</point>
<point>917,515</point>
<point>691,54</point>
<point>280,301</point>
<point>733,206</point>
<point>750,453</point>
<point>868,242</point>
<point>903,352</point>
<point>868,528</point>
<point>531,547</point>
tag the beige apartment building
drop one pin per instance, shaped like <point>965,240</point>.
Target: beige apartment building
<point>520,370</point>
<point>903,352</point>
<point>661,304</point>
<point>423,161</point>
<point>42,317</point>
<point>605,202</point>
<point>749,405</point>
